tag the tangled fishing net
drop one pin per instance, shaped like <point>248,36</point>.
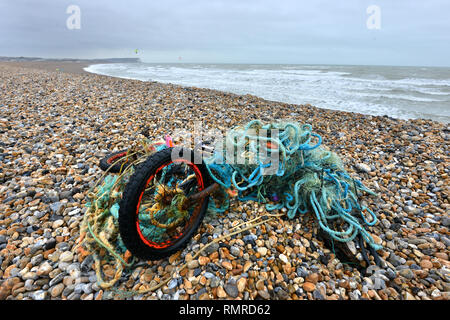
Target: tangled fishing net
<point>99,230</point>
<point>306,177</point>
<point>281,164</point>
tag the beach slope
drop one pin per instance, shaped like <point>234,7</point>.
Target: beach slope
<point>55,125</point>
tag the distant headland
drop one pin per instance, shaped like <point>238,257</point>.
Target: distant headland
<point>106,60</point>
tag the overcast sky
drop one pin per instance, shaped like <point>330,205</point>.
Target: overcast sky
<point>412,32</point>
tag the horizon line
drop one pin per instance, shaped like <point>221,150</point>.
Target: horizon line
<point>227,63</point>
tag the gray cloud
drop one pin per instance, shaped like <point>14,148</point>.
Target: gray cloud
<point>412,32</point>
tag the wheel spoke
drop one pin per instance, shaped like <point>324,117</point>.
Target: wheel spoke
<point>161,216</point>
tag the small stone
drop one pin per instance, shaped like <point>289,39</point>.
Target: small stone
<point>280,248</point>
<point>55,207</point>
<point>227,265</point>
<point>214,282</point>
<point>283,258</point>
<point>312,278</point>
<point>355,295</point>
<point>57,279</point>
<point>377,239</point>
<point>30,275</point>
<point>241,283</point>
<point>426,264</point>
<point>174,257</point>
<point>247,266</point>
<point>309,287</point>
<point>172,284</point>
<point>441,255</point>
<point>445,221</point>
<point>264,294</point>
<point>407,273</point>
<point>39,295</point>
<point>37,259</point>
<point>66,256</point>
<point>197,272</point>
<point>203,261</point>
<point>235,251</point>
<point>260,285</point>
<point>192,264</point>
<point>363,167</point>
<point>231,290</point>
<point>213,247</point>
<point>379,284</point>
<point>436,293</point>
<point>221,292</point>
<point>317,295</point>
<point>409,296</point>
<point>301,272</point>
<point>351,246</point>
<point>50,244</point>
<point>44,269</point>
<point>262,251</point>
<point>58,223</point>
<point>57,290</point>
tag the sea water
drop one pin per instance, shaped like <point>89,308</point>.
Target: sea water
<point>399,92</point>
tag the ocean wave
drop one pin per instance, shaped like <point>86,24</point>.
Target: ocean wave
<point>368,90</point>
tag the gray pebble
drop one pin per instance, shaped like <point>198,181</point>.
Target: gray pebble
<point>379,284</point>
<point>215,282</point>
<point>57,279</point>
<point>39,295</point>
<point>37,259</point>
<point>235,251</point>
<point>67,290</point>
<point>318,295</point>
<point>390,274</point>
<point>172,284</point>
<point>78,288</point>
<point>55,207</point>
<point>407,273</point>
<point>212,248</point>
<point>231,289</point>
<point>445,221</point>
<point>301,272</point>
<point>74,296</point>
<point>87,288</point>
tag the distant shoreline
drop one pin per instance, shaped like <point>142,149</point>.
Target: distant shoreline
<point>65,65</point>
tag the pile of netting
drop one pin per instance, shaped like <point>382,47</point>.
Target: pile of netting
<point>99,230</point>
<point>281,164</point>
<point>284,165</point>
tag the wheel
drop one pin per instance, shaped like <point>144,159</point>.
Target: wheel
<point>111,162</point>
<point>153,224</point>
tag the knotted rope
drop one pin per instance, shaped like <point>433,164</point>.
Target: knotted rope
<point>306,177</point>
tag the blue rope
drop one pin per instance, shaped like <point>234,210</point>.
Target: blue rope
<point>296,179</point>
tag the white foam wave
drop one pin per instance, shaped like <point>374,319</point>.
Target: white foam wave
<point>324,86</point>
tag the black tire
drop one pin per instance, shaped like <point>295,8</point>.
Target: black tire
<point>131,200</point>
<point>106,164</point>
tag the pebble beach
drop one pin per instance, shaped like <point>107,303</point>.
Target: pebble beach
<point>56,125</point>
